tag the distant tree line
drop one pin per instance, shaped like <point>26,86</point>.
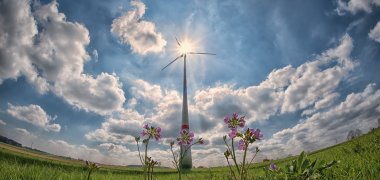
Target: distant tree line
<point>353,134</point>
<point>9,141</point>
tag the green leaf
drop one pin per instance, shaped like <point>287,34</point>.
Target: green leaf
<point>305,164</point>
<point>294,166</point>
<point>291,169</point>
<point>300,161</point>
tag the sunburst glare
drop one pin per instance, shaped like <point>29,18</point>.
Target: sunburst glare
<point>186,47</point>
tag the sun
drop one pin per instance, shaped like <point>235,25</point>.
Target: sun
<point>186,47</point>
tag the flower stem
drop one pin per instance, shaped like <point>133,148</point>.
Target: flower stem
<point>145,160</point>
<point>151,172</point>
<point>242,175</point>
<point>229,165</point>
<point>175,159</point>
<point>89,174</point>
<point>234,156</point>
<point>250,162</point>
<point>140,157</point>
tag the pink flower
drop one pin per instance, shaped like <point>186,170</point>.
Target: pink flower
<point>151,132</point>
<point>185,138</point>
<point>235,121</point>
<point>233,133</point>
<point>241,145</point>
<point>234,115</point>
<point>143,133</point>
<point>226,119</point>
<point>241,121</point>
<point>257,134</point>
<point>273,167</point>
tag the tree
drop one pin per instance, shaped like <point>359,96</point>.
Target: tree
<point>350,135</point>
<point>358,132</point>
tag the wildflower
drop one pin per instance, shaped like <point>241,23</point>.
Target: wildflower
<point>151,132</point>
<point>256,133</point>
<point>157,134</point>
<point>235,121</point>
<point>137,138</point>
<point>242,145</point>
<point>186,137</point>
<point>144,133</point>
<point>91,166</point>
<point>227,153</point>
<point>273,167</point>
<point>233,133</point>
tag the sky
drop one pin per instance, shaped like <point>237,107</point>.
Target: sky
<point>81,78</point>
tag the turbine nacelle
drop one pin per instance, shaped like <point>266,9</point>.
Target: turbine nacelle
<point>184,49</point>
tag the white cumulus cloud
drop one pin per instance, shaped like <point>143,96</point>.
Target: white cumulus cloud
<point>35,115</point>
<point>24,132</point>
<point>52,56</point>
<point>354,6</point>
<point>357,111</point>
<point>17,30</point>
<point>375,33</point>
<point>138,33</point>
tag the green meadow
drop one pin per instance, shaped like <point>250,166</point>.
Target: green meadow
<point>358,159</point>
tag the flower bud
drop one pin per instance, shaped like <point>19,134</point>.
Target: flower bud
<point>227,153</point>
<point>137,138</point>
<point>201,141</point>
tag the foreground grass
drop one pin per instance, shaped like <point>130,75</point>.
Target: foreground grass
<point>359,159</point>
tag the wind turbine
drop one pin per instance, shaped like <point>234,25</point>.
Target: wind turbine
<point>185,49</point>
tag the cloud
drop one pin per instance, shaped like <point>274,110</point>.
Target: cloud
<point>354,6</point>
<point>285,90</point>
<point>63,148</point>
<point>322,129</point>
<point>114,148</point>
<point>2,122</point>
<point>95,55</point>
<point>102,94</point>
<point>60,45</point>
<point>16,44</point>
<point>52,56</point>
<point>158,107</point>
<point>23,132</point>
<point>375,33</point>
<point>35,115</point>
<point>311,82</point>
<point>107,153</point>
<point>121,128</point>
<point>138,33</point>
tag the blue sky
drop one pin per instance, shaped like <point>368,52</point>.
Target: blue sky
<point>81,78</point>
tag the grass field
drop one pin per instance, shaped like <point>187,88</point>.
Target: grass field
<point>359,159</point>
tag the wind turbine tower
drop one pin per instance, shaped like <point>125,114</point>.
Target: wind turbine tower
<point>185,49</point>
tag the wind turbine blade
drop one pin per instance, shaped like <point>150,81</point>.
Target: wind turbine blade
<point>202,53</point>
<point>179,44</point>
<point>172,62</point>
